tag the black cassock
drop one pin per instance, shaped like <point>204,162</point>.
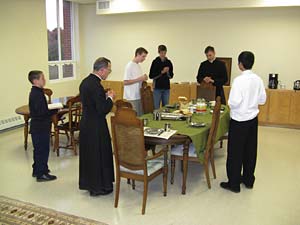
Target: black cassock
<point>96,171</point>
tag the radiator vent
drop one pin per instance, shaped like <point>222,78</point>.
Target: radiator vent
<point>11,122</point>
<point>103,5</point>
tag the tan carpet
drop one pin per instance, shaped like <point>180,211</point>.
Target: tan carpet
<point>17,212</point>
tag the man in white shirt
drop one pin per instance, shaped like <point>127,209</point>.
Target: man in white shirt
<point>247,93</point>
<point>133,79</point>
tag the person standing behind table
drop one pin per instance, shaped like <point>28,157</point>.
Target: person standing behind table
<point>40,126</point>
<point>247,93</point>
<point>96,169</point>
<point>133,79</point>
<point>213,71</point>
<point>161,72</point>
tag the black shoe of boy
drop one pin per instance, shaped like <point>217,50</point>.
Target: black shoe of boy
<point>45,178</point>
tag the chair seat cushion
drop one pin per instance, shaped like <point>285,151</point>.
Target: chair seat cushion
<point>178,150</point>
<point>65,126</point>
<point>152,166</point>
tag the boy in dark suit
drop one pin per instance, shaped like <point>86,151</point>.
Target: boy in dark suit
<point>40,126</point>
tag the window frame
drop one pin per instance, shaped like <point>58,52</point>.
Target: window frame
<point>60,63</point>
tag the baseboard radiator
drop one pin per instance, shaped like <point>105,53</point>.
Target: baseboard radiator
<point>11,122</point>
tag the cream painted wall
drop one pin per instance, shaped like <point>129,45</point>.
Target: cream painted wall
<point>273,34</point>
<point>23,47</point>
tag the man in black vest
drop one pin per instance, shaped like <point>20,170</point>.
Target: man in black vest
<point>213,71</point>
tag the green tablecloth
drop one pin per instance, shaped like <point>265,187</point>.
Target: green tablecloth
<point>197,135</point>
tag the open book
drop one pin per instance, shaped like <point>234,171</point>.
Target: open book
<point>55,106</point>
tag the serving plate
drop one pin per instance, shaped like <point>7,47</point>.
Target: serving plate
<point>195,124</point>
<point>153,131</point>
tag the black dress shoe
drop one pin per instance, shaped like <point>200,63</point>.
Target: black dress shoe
<point>34,174</point>
<point>102,192</point>
<point>249,186</point>
<point>227,186</point>
<point>46,177</point>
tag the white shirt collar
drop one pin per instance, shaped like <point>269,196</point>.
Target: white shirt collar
<point>247,72</point>
<point>212,60</point>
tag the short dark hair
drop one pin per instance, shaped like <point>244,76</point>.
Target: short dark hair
<point>34,75</point>
<point>246,58</point>
<point>162,48</point>
<point>140,51</point>
<point>100,63</point>
<point>209,49</point>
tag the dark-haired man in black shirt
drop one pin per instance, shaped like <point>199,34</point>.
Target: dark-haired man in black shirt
<point>213,71</point>
<point>161,72</point>
<point>40,126</point>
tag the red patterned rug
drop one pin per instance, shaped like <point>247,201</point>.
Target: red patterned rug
<point>14,212</point>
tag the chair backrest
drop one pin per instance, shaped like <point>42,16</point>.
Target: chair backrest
<point>214,127</point>
<point>128,139</point>
<point>147,98</point>
<point>206,91</point>
<point>75,112</point>
<point>49,93</point>
<point>123,104</point>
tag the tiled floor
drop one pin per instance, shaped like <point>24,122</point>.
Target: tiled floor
<point>275,200</point>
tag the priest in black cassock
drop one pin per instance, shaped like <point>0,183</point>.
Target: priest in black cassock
<point>213,71</point>
<point>96,170</point>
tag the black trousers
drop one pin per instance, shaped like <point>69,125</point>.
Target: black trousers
<point>41,145</point>
<point>242,152</point>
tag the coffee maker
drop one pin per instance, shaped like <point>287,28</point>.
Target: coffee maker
<point>273,81</point>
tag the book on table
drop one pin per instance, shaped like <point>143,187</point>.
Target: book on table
<point>55,106</point>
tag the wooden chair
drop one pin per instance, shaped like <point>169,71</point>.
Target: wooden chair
<point>123,104</point>
<point>49,93</point>
<point>147,98</point>
<point>130,155</point>
<point>206,91</point>
<point>224,137</point>
<point>177,154</point>
<point>72,125</point>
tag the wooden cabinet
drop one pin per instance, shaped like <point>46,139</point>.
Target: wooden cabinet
<point>282,106</point>
<point>295,108</point>
<point>264,111</point>
<point>279,106</point>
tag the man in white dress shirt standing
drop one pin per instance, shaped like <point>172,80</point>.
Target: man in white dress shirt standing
<point>133,79</point>
<point>247,93</point>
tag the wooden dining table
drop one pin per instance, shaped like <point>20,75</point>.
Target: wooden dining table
<point>176,139</point>
<point>25,112</point>
<point>186,135</point>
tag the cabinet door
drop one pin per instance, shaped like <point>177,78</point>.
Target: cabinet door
<point>117,86</point>
<point>279,110</point>
<point>179,90</point>
<point>226,93</point>
<point>295,108</point>
<point>263,115</point>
